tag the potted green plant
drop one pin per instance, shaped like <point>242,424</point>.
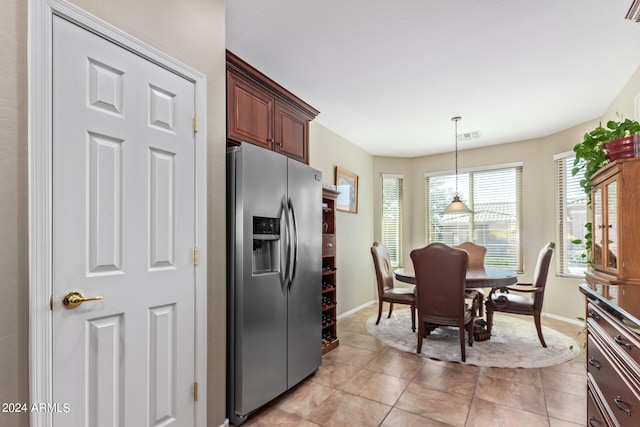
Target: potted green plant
<point>601,145</point>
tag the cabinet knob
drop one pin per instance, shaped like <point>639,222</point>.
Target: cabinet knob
<point>594,422</point>
<point>619,404</point>
<point>593,362</point>
<point>619,339</point>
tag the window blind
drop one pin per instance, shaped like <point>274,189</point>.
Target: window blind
<point>392,194</point>
<point>572,217</point>
<point>495,198</point>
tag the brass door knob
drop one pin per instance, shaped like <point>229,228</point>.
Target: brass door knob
<point>73,299</point>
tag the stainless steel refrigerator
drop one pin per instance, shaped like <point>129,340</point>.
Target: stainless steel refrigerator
<point>274,276</point>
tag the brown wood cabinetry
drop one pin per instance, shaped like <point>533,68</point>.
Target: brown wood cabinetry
<point>329,272</point>
<point>613,292</point>
<point>613,370</point>
<point>261,112</point>
<point>615,201</point>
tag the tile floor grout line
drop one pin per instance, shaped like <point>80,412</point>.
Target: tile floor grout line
<point>363,338</point>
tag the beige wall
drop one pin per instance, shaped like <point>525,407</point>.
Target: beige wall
<point>14,256</point>
<point>539,183</point>
<point>627,103</point>
<point>355,280</point>
<point>191,31</point>
<point>539,204</point>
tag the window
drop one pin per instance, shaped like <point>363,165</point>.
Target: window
<point>392,216</point>
<point>494,195</point>
<point>572,217</point>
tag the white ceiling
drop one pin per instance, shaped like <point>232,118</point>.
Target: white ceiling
<point>389,75</point>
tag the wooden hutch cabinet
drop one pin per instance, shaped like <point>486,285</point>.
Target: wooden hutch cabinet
<point>329,283</point>
<point>613,297</point>
<point>262,112</point>
<point>615,204</point>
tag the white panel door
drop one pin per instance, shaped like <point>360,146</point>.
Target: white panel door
<point>124,230</point>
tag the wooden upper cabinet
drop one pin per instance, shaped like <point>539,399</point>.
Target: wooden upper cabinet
<point>249,112</point>
<point>291,133</point>
<point>261,112</point>
<point>615,201</point>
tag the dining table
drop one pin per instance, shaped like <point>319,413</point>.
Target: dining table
<point>487,277</point>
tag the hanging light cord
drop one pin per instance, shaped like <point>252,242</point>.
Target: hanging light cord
<point>455,121</point>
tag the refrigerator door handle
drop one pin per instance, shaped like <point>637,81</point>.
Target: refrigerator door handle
<point>294,224</point>
<point>285,239</point>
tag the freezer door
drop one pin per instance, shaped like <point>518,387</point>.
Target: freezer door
<point>305,291</point>
<point>257,290</point>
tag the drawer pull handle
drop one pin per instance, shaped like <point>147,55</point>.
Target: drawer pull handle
<point>593,362</point>
<point>593,422</point>
<point>329,245</point>
<point>620,341</point>
<point>618,401</point>
<point>594,316</point>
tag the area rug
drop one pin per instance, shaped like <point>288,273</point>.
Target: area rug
<point>513,343</point>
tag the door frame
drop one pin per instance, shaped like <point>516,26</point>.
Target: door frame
<point>40,100</point>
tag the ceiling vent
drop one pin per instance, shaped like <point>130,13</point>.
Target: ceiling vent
<point>634,11</point>
<point>470,136</point>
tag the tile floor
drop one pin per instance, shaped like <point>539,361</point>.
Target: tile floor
<point>366,383</point>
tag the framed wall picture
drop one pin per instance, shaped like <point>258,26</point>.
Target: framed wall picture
<point>347,183</point>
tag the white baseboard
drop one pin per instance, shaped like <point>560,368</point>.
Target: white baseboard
<point>552,316</point>
<point>564,319</point>
<point>345,314</point>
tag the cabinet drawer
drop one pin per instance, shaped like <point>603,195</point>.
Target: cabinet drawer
<point>621,398</point>
<point>620,337</point>
<point>328,245</point>
<point>595,418</point>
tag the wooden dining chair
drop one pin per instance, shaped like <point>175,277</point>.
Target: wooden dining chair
<point>386,289</point>
<point>476,261</point>
<point>440,291</point>
<point>504,301</point>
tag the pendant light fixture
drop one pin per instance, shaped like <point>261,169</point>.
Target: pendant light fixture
<point>457,206</point>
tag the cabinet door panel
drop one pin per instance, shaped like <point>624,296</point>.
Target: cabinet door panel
<point>291,133</point>
<point>250,113</point>
<point>612,225</point>
<point>598,232</point>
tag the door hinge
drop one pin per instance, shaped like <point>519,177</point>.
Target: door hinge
<point>51,303</point>
<point>196,252</point>
<point>195,390</point>
<point>195,123</point>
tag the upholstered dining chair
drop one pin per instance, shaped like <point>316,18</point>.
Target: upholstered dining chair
<point>386,289</point>
<point>440,291</point>
<point>476,261</point>
<point>476,253</point>
<point>504,301</point>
